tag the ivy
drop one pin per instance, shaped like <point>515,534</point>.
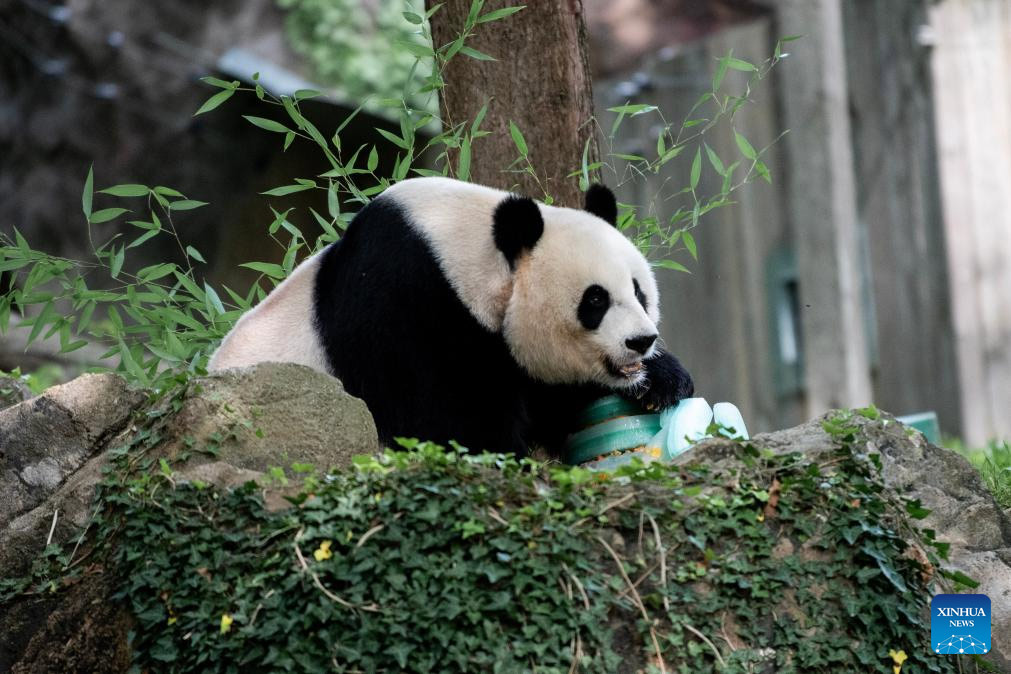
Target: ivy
<point>431,559</point>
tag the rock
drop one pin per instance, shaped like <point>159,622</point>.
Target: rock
<point>254,419</point>
<point>963,511</point>
<point>52,457</point>
<point>272,415</point>
<point>45,439</point>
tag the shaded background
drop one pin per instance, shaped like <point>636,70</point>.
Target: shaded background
<point>874,268</point>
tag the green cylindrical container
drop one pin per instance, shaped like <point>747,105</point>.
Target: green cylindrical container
<point>611,425</point>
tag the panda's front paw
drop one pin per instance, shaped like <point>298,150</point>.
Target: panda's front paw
<point>667,382</point>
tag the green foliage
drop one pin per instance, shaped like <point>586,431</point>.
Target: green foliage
<point>662,238</point>
<point>994,464</point>
<point>37,381</point>
<point>361,53</point>
<point>162,319</point>
<point>429,559</point>
<point>155,319</point>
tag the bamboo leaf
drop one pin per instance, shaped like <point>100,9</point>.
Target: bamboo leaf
<point>88,192</point>
<point>393,138</point>
<point>517,136</point>
<point>105,215</point>
<point>186,205</point>
<point>477,55</point>
<point>633,109</point>
<point>463,166</point>
<point>266,124</point>
<point>696,168</point>
<point>214,101</point>
<point>268,268</point>
<point>497,14</point>
<point>745,147</point>
<point>286,189</point>
<point>714,159</point>
<point>195,254</point>
<point>126,190</point>
<point>689,242</point>
<point>117,262</point>
<point>212,299</point>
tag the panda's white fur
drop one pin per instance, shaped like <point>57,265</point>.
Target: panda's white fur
<point>280,329</point>
<point>377,310</point>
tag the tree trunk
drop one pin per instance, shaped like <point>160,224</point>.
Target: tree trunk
<point>540,81</point>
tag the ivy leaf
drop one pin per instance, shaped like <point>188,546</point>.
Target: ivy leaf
<point>960,577</point>
<point>672,265</point>
<point>916,510</point>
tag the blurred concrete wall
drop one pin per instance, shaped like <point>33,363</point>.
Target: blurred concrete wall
<point>972,77</point>
<point>830,287</point>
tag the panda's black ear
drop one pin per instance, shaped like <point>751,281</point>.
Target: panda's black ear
<point>517,225</point>
<point>601,202</point>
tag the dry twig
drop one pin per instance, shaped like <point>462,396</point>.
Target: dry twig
<point>662,552</point>
<point>319,584</point>
<point>638,601</point>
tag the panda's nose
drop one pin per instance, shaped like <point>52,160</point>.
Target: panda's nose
<point>640,344</point>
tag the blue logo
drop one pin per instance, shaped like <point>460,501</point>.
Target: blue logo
<point>960,624</point>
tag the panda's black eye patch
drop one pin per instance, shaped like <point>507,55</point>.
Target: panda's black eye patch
<point>639,294</point>
<point>595,303</point>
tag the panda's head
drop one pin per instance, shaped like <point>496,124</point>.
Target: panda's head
<point>584,303</point>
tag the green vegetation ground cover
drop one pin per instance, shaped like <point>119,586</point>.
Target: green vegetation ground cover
<point>431,559</point>
<point>994,464</point>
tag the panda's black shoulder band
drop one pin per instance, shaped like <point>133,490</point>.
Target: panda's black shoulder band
<point>517,226</point>
<point>601,202</point>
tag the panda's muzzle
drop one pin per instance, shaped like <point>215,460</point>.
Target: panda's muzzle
<point>629,371</point>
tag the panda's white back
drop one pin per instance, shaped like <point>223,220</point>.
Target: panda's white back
<point>456,219</point>
<point>281,328</point>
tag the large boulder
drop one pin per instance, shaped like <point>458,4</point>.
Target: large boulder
<point>45,439</point>
<point>246,421</point>
<point>271,415</point>
<point>225,429</point>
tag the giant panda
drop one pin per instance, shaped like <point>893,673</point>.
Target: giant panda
<point>461,312</point>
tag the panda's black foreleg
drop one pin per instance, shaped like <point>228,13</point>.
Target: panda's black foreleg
<point>667,383</point>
